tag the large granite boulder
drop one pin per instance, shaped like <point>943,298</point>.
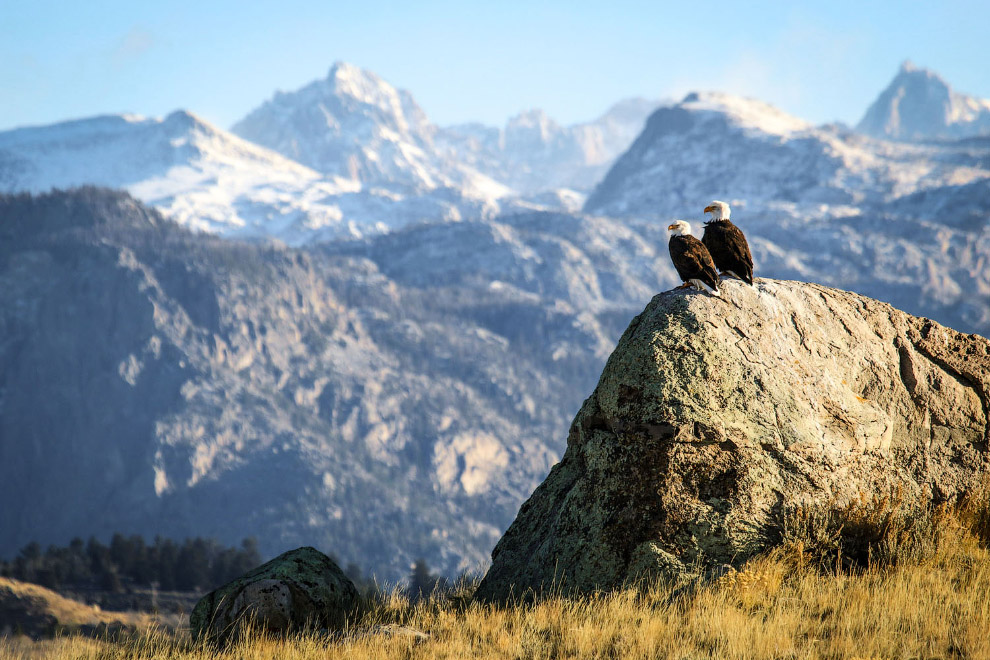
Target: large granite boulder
<point>302,588</point>
<point>712,414</point>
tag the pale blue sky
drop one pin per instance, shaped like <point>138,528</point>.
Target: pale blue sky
<point>463,61</point>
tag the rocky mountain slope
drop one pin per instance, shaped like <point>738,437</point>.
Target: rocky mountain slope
<point>382,399</point>
<point>920,105</point>
<point>712,416</point>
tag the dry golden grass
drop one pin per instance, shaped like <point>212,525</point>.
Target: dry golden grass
<point>781,605</point>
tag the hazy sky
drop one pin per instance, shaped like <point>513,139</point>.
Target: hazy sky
<point>462,61</point>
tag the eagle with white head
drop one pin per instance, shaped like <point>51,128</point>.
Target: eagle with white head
<point>691,259</point>
<point>727,244</point>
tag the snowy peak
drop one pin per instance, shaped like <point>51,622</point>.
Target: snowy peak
<point>354,125</point>
<point>918,104</point>
<point>718,146</point>
<point>365,88</point>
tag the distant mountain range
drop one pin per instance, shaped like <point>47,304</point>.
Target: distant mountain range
<point>350,155</point>
<point>342,157</point>
<point>397,382</point>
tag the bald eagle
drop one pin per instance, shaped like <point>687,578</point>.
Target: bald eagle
<point>726,243</point>
<point>691,259</point>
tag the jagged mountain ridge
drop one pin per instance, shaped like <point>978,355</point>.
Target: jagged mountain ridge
<point>389,166</point>
<point>713,145</point>
<point>919,105</point>
<point>351,155</point>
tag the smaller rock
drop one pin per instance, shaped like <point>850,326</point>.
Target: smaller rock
<point>298,589</point>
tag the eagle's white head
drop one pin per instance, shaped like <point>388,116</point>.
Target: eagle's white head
<point>719,210</point>
<point>680,228</point>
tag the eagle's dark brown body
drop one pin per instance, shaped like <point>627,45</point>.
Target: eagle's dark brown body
<point>729,249</point>
<point>692,261</point>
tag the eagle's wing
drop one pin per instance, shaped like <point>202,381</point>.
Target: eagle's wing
<point>692,261</point>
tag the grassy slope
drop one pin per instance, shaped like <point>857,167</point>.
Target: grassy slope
<point>777,607</point>
<point>70,613</point>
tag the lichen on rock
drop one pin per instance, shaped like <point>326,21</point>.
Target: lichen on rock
<point>298,589</point>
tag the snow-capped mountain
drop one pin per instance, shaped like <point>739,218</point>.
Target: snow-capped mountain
<point>351,156</point>
<point>919,105</point>
<point>718,146</point>
<point>355,125</point>
<point>533,153</point>
<point>211,180</point>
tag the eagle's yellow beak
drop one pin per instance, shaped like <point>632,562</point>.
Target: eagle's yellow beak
<point>671,226</point>
<point>709,209</point>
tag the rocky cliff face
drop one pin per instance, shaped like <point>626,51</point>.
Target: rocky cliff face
<point>711,414</point>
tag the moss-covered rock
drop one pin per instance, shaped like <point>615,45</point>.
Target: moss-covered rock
<point>300,588</point>
<point>713,414</point>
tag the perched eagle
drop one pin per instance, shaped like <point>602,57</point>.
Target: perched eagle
<point>691,259</point>
<point>727,244</point>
